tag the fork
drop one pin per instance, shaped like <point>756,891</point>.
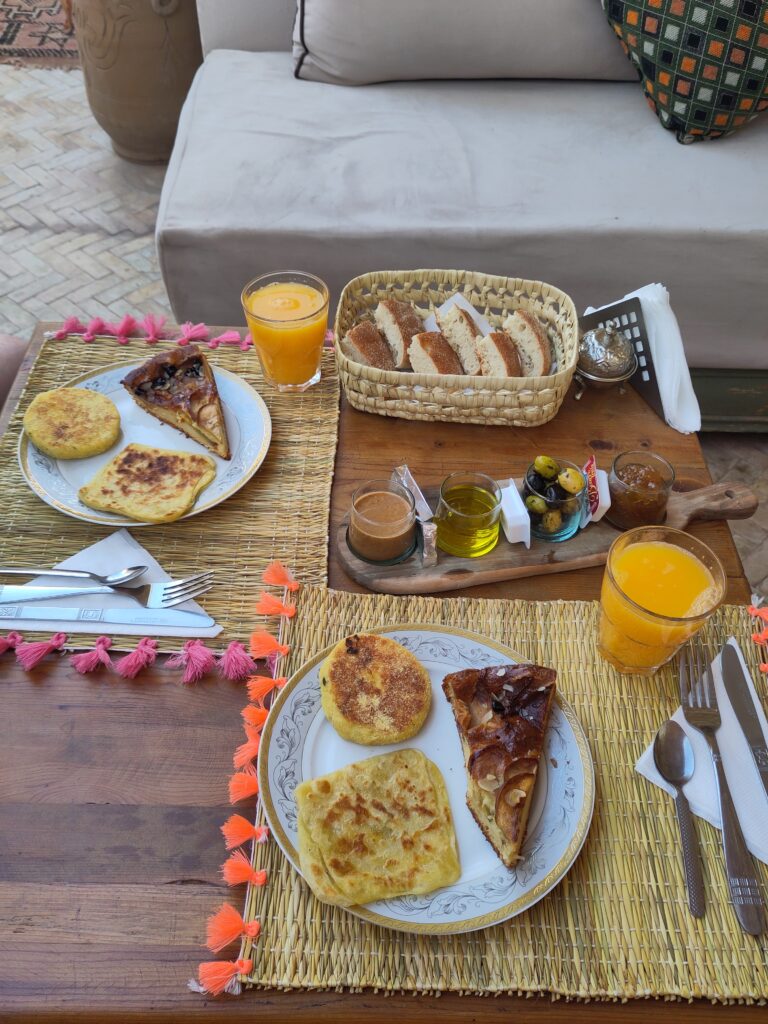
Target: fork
<point>699,702</point>
<point>151,595</point>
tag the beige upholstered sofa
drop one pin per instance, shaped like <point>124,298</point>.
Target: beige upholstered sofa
<point>569,180</point>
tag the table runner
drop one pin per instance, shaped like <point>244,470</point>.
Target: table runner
<point>238,537</point>
<point>617,927</point>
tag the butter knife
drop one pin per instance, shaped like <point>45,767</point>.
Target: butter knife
<point>743,705</point>
<point>123,616</point>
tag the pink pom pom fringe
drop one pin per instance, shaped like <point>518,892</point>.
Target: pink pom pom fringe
<point>29,655</point>
<point>89,661</point>
<point>235,663</point>
<point>195,659</point>
<point>10,642</point>
<point>94,328</point>
<point>192,332</point>
<point>70,326</point>
<point>133,663</point>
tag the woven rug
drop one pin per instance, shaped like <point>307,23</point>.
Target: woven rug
<point>37,33</point>
<point>617,927</point>
<point>236,538</point>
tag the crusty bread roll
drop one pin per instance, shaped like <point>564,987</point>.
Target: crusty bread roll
<point>498,355</point>
<point>429,352</point>
<point>532,343</point>
<point>365,344</point>
<point>461,333</point>
<point>398,321</point>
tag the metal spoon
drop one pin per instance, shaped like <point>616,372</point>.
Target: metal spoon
<point>115,579</point>
<point>673,757</point>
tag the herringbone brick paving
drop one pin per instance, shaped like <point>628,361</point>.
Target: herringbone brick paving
<point>76,237</point>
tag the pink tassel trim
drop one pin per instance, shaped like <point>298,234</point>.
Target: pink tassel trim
<point>10,642</point>
<point>70,326</point>
<point>227,338</point>
<point>30,654</point>
<point>192,332</point>
<point>94,329</point>
<point>153,328</point>
<point>133,663</point>
<point>195,659</point>
<point>235,663</point>
<point>125,330</point>
<point>89,661</point>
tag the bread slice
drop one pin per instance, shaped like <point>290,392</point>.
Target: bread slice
<point>462,333</point>
<point>365,344</point>
<point>498,355</point>
<point>429,352</point>
<point>398,322</point>
<point>502,715</point>
<point>532,343</point>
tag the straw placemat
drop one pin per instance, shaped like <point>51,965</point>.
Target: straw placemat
<point>616,927</point>
<point>282,512</point>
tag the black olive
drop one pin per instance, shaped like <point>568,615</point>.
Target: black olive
<point>536,481</point>
<point>552,494</point>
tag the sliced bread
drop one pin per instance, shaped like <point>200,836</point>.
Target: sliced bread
<point>365,344</point>
<point>498,355</point>
<point>461,332</point>
<point>398,322</point>
<point>532,343</point>
<point>429,352</point>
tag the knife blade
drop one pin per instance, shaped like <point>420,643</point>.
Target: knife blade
<point>123,616</point>
<point>20,595</point>
<point>743,705</point>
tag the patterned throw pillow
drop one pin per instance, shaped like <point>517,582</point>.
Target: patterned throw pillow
<point>703,63</point>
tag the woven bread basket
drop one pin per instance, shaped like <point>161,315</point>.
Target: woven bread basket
<point>450,398</point>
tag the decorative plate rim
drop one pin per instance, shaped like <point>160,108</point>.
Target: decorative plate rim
<point>111,519</point>
<point>511,909</point>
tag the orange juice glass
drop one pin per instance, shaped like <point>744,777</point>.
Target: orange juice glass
<point>287,314</point>
<point>660,586</point>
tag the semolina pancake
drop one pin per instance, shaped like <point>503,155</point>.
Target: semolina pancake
<point>377,829</point>
<point>373,690</point>
<point>72,423</point>
<point>151,485</point>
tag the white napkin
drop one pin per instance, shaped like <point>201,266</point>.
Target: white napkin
<point>119,550</point>
<point>749,797</point>
<point>681,407</point>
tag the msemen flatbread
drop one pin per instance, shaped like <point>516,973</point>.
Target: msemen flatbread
<point>72,423</point>
<point>377,829</point>
<point>151,485</point>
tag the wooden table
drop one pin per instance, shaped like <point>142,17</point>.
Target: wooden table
<point>112,793</point>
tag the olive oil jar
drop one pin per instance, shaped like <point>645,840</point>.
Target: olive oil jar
<point>468,515</point>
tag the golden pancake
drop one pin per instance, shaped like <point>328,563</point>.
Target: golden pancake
<point>151,485</point>
<point>373,690</point>
<point>72,423</point>
<point>377,829</point>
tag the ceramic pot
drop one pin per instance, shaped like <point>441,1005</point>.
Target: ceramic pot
<point>139,58</point>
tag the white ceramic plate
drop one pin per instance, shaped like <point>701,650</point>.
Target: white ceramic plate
<point>299,743</point>
<point>249,428</point>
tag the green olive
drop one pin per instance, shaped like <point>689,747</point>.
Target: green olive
<point>571,480</point>
<point>546,466</point>
<point>552,521</point>
<point>536,504</point>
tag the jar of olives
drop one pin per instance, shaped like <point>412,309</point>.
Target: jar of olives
<point>554,491</point>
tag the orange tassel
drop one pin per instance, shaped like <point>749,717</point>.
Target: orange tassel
<point>760,613</point>
<point>260,686</point>
<point>243,784</point>
<point>215,975</point>
<point>268,604</point>
<point>276,575</point>
<point>263,644</point>
<point>226,926</point>
<point>761,637</point>
<point>238,830</point>
<point>247,751</point>
<point>237,869</point>
<point>255,716</point>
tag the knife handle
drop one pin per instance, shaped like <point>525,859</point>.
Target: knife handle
<point>691,859</point>
<point>742,880</point>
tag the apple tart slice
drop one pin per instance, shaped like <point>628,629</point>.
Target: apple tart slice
<point>502,715</point>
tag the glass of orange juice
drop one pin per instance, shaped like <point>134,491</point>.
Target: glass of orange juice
<point>287,313</point>
<point>660,586</point>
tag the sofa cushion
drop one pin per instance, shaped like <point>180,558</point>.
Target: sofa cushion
<point>370,41</point>
<point>703,65</point>
<point>567,182</point>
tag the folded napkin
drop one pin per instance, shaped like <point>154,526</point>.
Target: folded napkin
<point>749,797</point>
<point>681,408</point>
<point>119,550</point>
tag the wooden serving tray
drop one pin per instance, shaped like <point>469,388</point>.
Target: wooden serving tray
<point>511,561</point>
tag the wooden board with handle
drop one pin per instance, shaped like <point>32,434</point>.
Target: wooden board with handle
<point>589,547</point>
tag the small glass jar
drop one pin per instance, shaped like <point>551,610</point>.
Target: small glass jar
<point>640,483</point>
<point>382,523</point>
<point>468,515</point>
<point>555,514</point>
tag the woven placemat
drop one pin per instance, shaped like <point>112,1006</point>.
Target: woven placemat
<point>618,925</point>
<point>282,512</point>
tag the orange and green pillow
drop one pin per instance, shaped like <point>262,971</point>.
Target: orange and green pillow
<point>703,63</point>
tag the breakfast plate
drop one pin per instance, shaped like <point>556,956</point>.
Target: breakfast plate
<point>299,743</point>
<point>249,428</point>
